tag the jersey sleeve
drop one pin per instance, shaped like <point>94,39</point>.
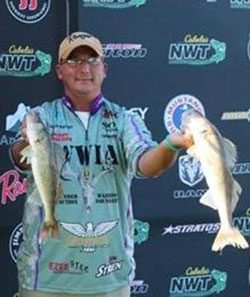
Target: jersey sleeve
<point>137,139</point>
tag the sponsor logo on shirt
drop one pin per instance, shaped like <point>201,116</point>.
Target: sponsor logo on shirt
<point>109,268</point>
<point>61,137</point>
<point>104,198</point>
<point>89,237</point>
<point>71,267</point>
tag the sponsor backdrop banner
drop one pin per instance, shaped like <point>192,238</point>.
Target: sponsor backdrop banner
<point>163,57</point>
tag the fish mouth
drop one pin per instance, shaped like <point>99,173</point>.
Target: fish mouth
<point>186,117</point>
<point>32,116</point>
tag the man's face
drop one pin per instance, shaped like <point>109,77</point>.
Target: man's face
<point>82,73</point>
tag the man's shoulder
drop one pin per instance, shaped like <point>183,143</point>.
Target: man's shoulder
<point>51,103</point>
<point>111,105</point>
<point>48,108</point>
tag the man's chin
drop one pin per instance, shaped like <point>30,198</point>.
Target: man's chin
<point>83,90</point>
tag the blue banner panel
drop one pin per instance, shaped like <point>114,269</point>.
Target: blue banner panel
<point>163,57</point>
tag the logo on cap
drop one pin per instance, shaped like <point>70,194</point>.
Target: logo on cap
<point>78,39</point>
<point>82,36</point>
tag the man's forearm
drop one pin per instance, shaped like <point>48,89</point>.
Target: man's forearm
<point>162,157</point>
<point>155,161</point>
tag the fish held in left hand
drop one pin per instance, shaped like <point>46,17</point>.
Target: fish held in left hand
<point>216,155</point>
<point>41,154</point>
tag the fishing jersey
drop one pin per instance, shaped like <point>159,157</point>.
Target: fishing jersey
<point>93,252</point>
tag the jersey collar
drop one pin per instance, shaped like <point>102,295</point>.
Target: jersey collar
<point>95,106</point>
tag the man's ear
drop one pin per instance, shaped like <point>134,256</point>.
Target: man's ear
<point>58,71</point>
<point>105,68</point>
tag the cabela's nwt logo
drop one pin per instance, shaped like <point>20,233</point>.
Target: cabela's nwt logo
<point>24,61</point>
<point>198,282</point>
<point>197,50</point>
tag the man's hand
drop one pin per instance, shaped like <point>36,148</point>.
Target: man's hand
<point>182,140</point>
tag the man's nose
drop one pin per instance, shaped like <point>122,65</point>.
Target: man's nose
<point>84,66</point>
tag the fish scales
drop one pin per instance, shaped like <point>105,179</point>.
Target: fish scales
<point>216,155</point>
<point>42,156</point>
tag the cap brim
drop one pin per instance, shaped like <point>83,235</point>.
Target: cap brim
<point>67,52</point>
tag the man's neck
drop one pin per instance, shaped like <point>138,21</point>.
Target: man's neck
<point>82,104</point>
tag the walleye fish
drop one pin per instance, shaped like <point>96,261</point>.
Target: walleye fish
<point>216,155</point>
<point>41,154</point>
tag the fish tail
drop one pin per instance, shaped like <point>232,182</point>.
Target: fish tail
<point>50,228</point>
<point>230,236</point>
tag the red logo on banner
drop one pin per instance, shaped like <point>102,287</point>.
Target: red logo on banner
<point>12,187</point>
<point>25,4</point>
<point>28,11</point>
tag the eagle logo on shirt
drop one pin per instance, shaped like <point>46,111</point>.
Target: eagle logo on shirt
<point>90,236</point>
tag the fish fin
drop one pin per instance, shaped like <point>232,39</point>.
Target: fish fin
<point>59,192</point>
<point>230,236</point>
<point>207,200</point>
<point>235,194</point>
<point>50,228</point>
<point>26,154</point>
<point>60,155</point>
<point>35,198</point>
<point>230,152</point>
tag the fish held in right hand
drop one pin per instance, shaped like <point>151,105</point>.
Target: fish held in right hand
<point>217,156</point>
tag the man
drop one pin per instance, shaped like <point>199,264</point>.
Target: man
<point>105,146</point>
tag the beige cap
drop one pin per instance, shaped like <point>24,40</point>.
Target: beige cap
<point>78,39</point>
